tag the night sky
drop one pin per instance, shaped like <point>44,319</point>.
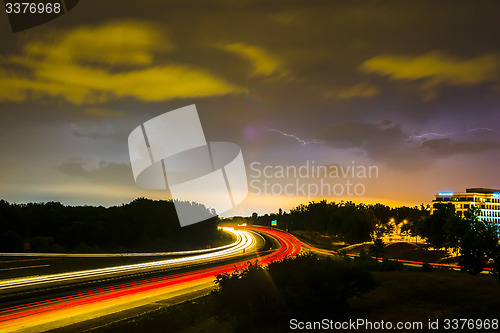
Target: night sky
<point>410,87</point>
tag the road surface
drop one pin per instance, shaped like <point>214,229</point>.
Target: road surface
<point>78,306</point>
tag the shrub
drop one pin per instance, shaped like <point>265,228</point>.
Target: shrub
<point>303,287</point>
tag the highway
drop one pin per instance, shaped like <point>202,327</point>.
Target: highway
<point>132,286</point>
<point>244,240</point>
<point>114,255</point>
<point>86,304</point>
<point>307,247</point>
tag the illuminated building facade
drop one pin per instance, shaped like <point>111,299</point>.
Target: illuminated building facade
<point>487,200</point>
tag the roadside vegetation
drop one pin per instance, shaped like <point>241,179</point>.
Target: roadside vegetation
<point>261,299</point>
<point>476,243</point>
<point>347,227</point>
<point>307,286</point>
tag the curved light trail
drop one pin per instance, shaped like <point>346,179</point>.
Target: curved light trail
<point>403,261</point>
<point>244,240</point>
<point>83,305</point>
<point>79,306</point>
<point>112,255</point>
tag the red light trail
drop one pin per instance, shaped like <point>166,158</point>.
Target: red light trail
<point>83,305</point>
<point>62,311</point>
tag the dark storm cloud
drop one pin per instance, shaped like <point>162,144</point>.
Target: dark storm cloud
<point>105,172</point>
<point>383,142</point>
<point>447,147</point>
<point>295,51</point>
<point>294,66</point>
<point>351,135</point>
<point>388,143</point>
<point>99,135</point>
<point>379,141</point>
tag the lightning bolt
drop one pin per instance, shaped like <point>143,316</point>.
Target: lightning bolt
<point>296,138</point>
<point>426,135</point>
<point>444,135</point>
<point>482,129</point>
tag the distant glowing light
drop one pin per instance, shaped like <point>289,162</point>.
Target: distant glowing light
<point>445,194</point>
<point>251,133</point>
<point>274,222</point>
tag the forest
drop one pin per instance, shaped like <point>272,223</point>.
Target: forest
<point>142,225</point>
<point>350,222</point>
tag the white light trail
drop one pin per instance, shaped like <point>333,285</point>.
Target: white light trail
<point>244,240</point>
<point>106,255</point>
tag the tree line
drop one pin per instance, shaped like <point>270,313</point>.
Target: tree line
<point>350,222</point>
<point>141,225</point>
<point>476,243</point>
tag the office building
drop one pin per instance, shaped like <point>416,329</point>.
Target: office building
<point>487,200</point>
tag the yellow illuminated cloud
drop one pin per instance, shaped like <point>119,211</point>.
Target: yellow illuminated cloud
<point>91,86</point>
<point>114,43</point>
<point>263,62</point>
<point>90,65</point>
<point>437,67</point>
